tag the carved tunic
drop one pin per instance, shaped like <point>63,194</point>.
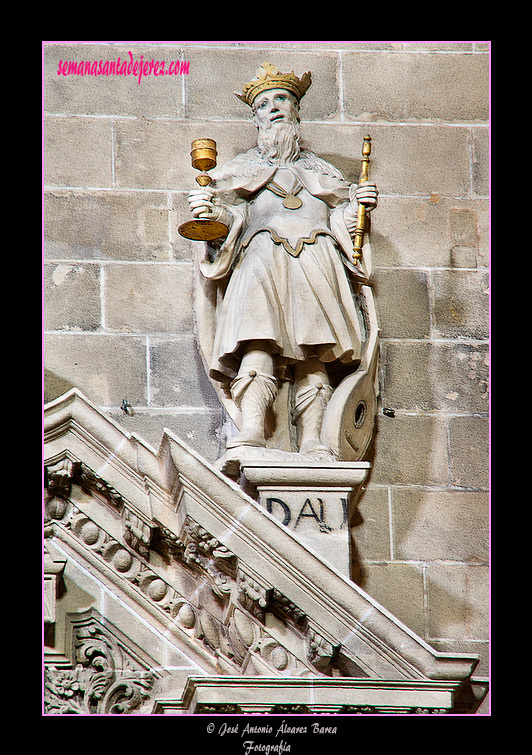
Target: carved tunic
<point>287,226</point>
<point>288,284</point>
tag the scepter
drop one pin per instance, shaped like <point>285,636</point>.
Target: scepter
<point>361,213</point>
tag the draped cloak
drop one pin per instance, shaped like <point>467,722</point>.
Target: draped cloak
<point>281,273</point>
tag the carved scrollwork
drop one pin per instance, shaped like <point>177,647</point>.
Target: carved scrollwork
<point>83,691</point>
<point>103,679</point>
<point>127,694</point>
<point>64,692</point>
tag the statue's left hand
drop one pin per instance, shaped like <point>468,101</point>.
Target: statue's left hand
<point>366,193</point>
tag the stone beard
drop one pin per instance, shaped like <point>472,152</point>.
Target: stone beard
<point>280,142</point>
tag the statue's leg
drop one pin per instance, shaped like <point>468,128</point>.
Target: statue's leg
<point>312,394</point>
<point>253,391</point>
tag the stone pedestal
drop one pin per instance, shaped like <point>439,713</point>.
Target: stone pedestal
<point>314,498</point>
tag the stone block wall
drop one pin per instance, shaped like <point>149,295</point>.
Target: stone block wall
<point>118,278</point>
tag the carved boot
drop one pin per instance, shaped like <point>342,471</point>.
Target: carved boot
<point>253,392</point>
<point>309,408</point>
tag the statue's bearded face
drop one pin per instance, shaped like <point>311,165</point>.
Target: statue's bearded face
<point>276,115</point>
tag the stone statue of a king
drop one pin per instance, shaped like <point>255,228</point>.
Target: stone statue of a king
<point>280,323</point>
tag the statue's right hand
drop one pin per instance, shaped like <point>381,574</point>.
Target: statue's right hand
<point>201,202</point>
<point>206,203</point>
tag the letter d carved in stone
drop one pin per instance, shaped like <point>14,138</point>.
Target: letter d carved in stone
<point>287,514</point>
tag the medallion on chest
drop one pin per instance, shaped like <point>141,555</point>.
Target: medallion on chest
<point>290,199</point>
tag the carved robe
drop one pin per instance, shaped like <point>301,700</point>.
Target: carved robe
<point>282,271</point>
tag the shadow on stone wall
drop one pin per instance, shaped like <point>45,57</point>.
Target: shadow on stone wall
<point>54,386</point>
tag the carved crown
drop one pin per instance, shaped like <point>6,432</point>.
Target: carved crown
<point>269,77</point>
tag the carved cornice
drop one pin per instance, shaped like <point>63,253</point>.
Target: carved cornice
<point>240,638</point>
<point>322,695</point>
<point>294,710</point>
<point>66,472</point>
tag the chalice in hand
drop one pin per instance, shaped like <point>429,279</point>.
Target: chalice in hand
<point>203,155</point>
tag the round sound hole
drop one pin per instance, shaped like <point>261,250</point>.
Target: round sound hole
<point>360,414</point>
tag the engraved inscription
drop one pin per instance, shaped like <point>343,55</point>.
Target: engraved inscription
<point>324,513</point>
